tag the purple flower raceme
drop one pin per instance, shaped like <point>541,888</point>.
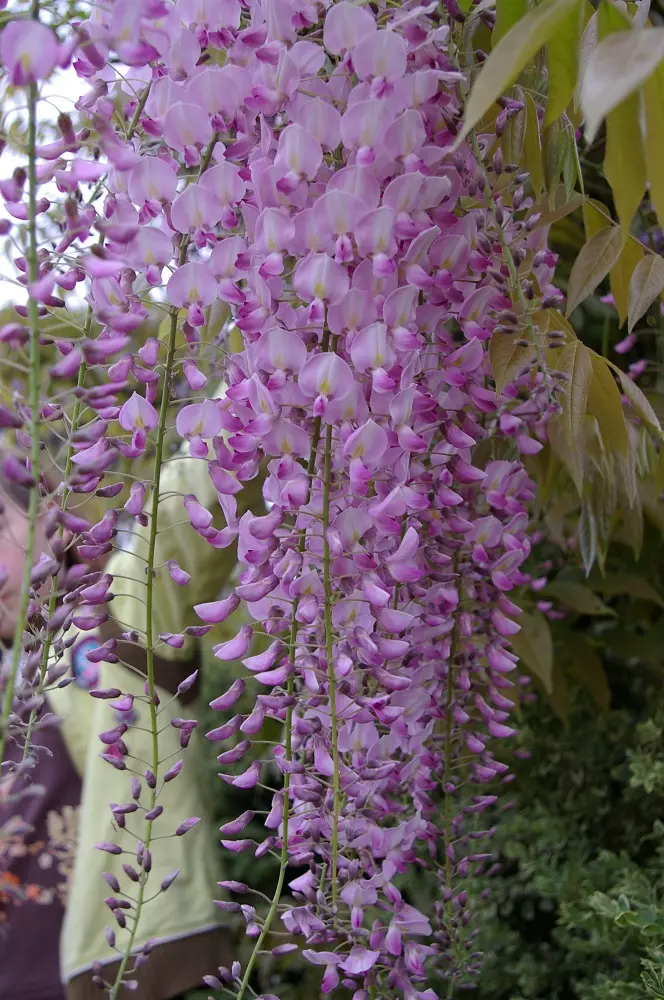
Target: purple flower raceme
<point>308,187</point>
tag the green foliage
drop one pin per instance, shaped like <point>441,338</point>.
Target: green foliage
<point>577,911</point>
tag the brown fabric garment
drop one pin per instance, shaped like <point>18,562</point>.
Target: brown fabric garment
<point>37,865</point>
<point>170,970</point>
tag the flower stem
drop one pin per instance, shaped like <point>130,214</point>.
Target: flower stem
<point>149,599</point>
<point>66,493</point>
<point>34,384</point>
<point>283,862</point>
<point>331,679</point>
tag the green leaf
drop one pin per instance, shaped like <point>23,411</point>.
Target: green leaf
<point>593,263</point>
<point>514,136</point>
<point>512,53</point>
<point>578,597</point>
<point>628,583</point>
<point>586,666</point>
<point>562,206</point>
<point>532,147</point>
<point>595,217</point>
<point>563,64</point>
<point>646,284</point>
<point>575,361</point>
<point>621,275</point>
<point>624,159</point>
<point>553,154</point>
<point>508,12</point>
<point>616,68</point>
<point>534,647</point>
<point>587,534</point>
<point>605,404</point>
<point>653,103</point>
<point>639,402</point>
<point>507,357</point>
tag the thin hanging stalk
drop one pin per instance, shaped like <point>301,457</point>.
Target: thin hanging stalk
<point>149,624</point>
<point>34,385</point>
<point>66,492</point>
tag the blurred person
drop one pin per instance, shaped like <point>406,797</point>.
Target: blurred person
<point>55,931</point>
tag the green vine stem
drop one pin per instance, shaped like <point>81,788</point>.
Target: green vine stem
<point>149,602</point>
<point>283,861</point>
<point>34,384</point>
<point>331,679</point>
<point>66,493</point>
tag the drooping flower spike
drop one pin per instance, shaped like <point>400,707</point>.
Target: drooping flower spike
<point>307,190</point>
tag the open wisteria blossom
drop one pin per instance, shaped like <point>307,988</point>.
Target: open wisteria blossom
<point>296,162</point>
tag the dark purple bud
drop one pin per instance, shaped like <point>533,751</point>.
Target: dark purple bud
<point>155,813</point>
<point>117,763</point>
<point>174,771</point>
<point>187,825</point>
<point>213,982</point>
<point>150,779</point>
<point>233,886</point>
<point>169,880</point>
<point>135,788</point>
<point>226,731</point>
<point>59,619</point>
<point>123,810</point>
<point>109,848</point>
<point>108,492</point>
<point>131,873</point>
<point>9,419</point>
<point>14,470</point>
<point>227,700</point>
<point>187,683</point>
<point>111,736</point>
<point>73,523</point>
<point>106,693</point>
<point>147,860</point>
<point>112,881</point>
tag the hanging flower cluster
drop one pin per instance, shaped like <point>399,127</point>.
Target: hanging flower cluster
<point>296,162</point>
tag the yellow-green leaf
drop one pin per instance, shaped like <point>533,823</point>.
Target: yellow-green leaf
<point>508,12</point>
<point>575,361</point>
<point>621,274</point>
<point>534,647</point>
<point>556,321</point>
<point>605,404</point>
<point>645,285</point>
<point>628,583</point>
<point>594,261</point>
<point>563,64</point>
<point>562,206</point>
<point>624,159</point>
<point>532,147</point>
<point>639,402</point>
<point>553,139</point>
<point>514,136</point>
<point>587,535</point>
<point>653,103</point>
<point>512,53</point>
<point>577,597</point>
<point>595,217</point>
<point>616,68</point>
<point>507,357</point>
